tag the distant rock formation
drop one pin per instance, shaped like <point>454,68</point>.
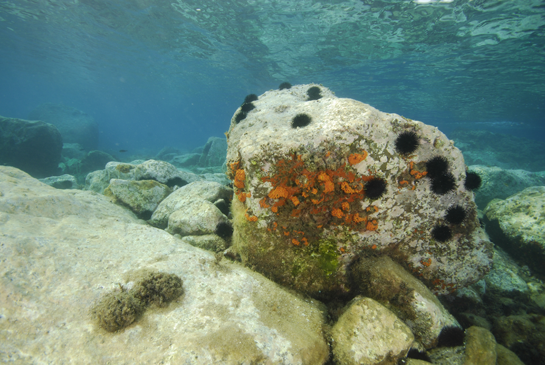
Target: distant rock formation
<point>75,126</point>
<point>32,146</point>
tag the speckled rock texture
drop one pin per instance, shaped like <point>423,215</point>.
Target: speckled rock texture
<point>387,282</point>
<point>517,224</point>
<point>142,196</point>
<point>498,183</point>
<point>480,347</point>
<point>63,250</point>
<point>524,334</point>
<point>160,171</point>
<point>302,211</point>
<point>367,333</point>
<point>505,275</point>
<point>61,182</point>
<point>197,191</point>
<point>197,217</point>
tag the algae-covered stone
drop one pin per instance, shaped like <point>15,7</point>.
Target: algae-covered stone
<point>196,191</point>
<point>309,199</point>
<point>142,197</point>
<point>61,182</point>
<point>387,282</point>
<point>368,333</point>
<point>195,218</point>
<point>160,171</point>
<point>480,347</point>
<point>517,224</point>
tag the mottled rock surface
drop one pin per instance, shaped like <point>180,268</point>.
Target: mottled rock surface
<point>75,125</point>
<point>32,146</point>
<point>387,282</point>
<point>197,217</point>
<point>63,250</point>
<point>142,196</point>
<point>160,171</point>
<point>480,347</point>
<point>303,210</point>
<point>498,183</point>
<point>367,333</point>
<point>197,191</point>
<point>517,224</point>
<point>61,182</point>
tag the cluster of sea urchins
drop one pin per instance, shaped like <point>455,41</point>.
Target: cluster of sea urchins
<point>442,182</point>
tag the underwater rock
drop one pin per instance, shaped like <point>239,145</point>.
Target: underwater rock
<point>517,225</point>
<point>498,183</point>
<point>523,334</point>
<point>142,196</point>
<point>73,151</point>
<point>61,182</point>
<point>75,126</point>
<point>504,278</point>
<point>95,160</point>
<point>186,160</point>
<point>195,192</point>
<point>214,152</point>
<point>311,199</point>
<point>63,250</point>
<point>210,242</point>
<point>387,282</point>
<point>160,171</point>
<point>480,347</point>
<point>32,146</point>
<point>196,217</point>
<point>368,333</point>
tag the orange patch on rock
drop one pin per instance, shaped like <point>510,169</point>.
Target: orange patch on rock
<point>356,158</point>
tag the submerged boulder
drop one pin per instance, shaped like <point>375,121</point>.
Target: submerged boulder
<point>75,126</point>
<point>321,181</point>
<point>517,225</point>
<point>32,146</point>
<point>63,251</point>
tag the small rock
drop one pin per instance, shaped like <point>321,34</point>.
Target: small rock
<point>480,347</point>
<point>390,284</point>
<point>142,196</point>
<point>517,225</point>
<point>197,217</point>
<point>368,333</point>
<point>61,182</point>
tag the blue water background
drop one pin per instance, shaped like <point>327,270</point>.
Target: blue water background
<point>177,79</point>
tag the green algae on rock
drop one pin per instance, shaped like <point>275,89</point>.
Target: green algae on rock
<point>301,212</point>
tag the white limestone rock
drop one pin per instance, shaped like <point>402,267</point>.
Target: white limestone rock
<point>302,215</point>
<point>197,217</point>
<point>367,333</point>
<point>142,196</point>
<point>387,282</point>
<point>197,191</point>
<point>517,225</point>
<point>63,250</point>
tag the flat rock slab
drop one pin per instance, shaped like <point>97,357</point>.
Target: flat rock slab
<point>303,209</point>
<point>63,250</point>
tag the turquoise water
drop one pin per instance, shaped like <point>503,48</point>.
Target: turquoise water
<point>158,73</point>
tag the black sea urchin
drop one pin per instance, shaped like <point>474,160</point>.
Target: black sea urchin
<point>224,229</point>
<point>441,233</point>
<point>246,107</point>
<point>240,116</point>
<point>249,98</point>
<point>375,188</point>
<point>473,181</point>
<point>451,336</point>
<point>407,142</point>
<point>437,166</point>
<point>455,214</point>
<point>443,184</point>
<point>300,120</point>
<point>284,85</point>
<point>314,93</point>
